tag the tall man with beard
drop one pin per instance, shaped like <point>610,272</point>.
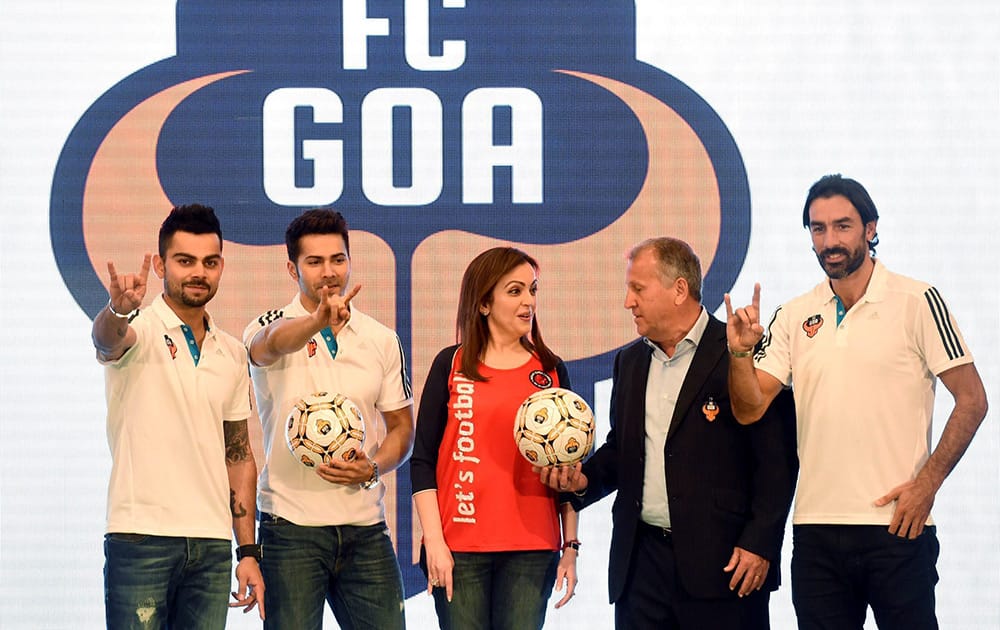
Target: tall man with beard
<point>178,397</point>
<point>323,530</point>
<point>864,349</point>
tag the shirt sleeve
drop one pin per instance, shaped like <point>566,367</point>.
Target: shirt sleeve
<point>773,353</point>
<point>396,391</point>
<point>133,351</point>
<point>259,323</point>
<point>939,340</point>
<point>432,418</point>
<point>562,374</point>
<point>238,406</point>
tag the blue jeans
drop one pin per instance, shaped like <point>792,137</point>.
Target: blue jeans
<point>839,570</point>
<point>166,581</point>
<point>353,568</point>
<point>500,590</point>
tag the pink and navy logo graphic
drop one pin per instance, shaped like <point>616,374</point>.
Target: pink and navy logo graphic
<point>439,128</point>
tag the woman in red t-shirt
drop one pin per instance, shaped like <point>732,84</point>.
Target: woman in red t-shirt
<point>492,539</point>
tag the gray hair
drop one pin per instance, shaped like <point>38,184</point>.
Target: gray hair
<point>675,259</point>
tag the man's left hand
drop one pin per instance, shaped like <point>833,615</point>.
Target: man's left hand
<point>250,592</point>
<point>749,571</point>
<point>913,505</point>
<point>347,473</point>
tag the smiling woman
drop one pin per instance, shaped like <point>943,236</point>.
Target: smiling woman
<point>486,518</point>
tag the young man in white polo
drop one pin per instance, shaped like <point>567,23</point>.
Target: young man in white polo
<point>863,351</point>
<point>323,529</point>
<point>183,476</point>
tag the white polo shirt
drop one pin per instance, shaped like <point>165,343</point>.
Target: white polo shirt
<point>363,362</point>
<point>165,428</point>
<point>864,391</point>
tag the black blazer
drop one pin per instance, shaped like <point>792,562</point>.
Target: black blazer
<point>729,485</point>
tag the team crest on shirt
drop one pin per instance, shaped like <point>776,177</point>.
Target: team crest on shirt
<point>540,379</point>
<point>170,346</point>
<point>710,409</point>
<point>311,348</point>
<point>812,325</point>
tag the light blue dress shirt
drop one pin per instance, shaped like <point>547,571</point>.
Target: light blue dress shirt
<point>666,376</point>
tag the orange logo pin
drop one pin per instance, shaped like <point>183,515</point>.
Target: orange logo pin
<point>710,409</point>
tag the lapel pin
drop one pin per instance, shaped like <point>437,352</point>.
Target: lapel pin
<point>710,409</point>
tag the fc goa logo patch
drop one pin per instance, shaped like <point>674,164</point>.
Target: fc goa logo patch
<point>171,347</point>
<point>540,379</point>
<point>812,325</point>
<point>439,129</point>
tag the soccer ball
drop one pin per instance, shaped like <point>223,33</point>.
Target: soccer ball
<point>323,427</point>
<point>554,426</point>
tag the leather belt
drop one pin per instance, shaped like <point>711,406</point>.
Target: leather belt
<point>656,530</point>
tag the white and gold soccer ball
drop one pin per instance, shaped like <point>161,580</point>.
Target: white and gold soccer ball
<point>322,427</point>
<point>554,426</point>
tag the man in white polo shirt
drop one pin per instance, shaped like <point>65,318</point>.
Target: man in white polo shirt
<point>863,350</point>
<point>183,476</point>
<point>323,529</point>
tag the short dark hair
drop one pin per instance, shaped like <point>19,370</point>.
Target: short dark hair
<point>315,221</point>
<point>194,218</point>
<point>674,259</point>
<point>836,184</point>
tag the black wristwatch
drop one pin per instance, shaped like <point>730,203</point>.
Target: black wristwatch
<point>249,551</point>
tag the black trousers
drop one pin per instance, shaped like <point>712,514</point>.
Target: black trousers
<point>654,598</point>
<point>840,570</point>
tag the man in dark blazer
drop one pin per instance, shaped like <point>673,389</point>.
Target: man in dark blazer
<point>700,513</point>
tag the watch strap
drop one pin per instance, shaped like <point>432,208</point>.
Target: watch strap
<point>249,551</point>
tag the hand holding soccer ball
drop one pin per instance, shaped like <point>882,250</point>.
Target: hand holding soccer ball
<point>554,426</point>
<point>324,427</point>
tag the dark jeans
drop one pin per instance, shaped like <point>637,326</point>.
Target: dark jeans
<point>166,582</point>
<point>655,598</point>
<point>839,570</point>
<point>353,568</point>
<point>506,590</point>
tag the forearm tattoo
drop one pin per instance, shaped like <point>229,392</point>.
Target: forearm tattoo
<point>237,508</point>
<point>237,442</point>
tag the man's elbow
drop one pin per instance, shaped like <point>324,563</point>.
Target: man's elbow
<point>746,414</point>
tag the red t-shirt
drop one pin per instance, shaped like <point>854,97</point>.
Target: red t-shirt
<point>488,496</point>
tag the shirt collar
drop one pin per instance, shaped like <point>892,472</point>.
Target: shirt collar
<point>876,286</point>
<point>171,320</point>
<point>691,339</point>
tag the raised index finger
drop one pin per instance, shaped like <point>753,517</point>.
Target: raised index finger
<point>350,296</point>
<point>729,305</point>
<point>144,271</point>
<point>756,297</point>
<point>112,273</point>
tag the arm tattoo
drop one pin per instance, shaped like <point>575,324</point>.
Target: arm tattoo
<point>237,442</point>
<point>235,507</point>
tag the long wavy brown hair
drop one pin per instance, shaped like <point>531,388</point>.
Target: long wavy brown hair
<point>471,330</point>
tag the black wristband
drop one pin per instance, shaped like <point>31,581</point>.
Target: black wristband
<point>249,551</point>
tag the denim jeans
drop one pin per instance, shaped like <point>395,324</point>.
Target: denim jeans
<point>839,570</point>
<point>498,590</point>
<point>166,581</point>
<point>353,568</point>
